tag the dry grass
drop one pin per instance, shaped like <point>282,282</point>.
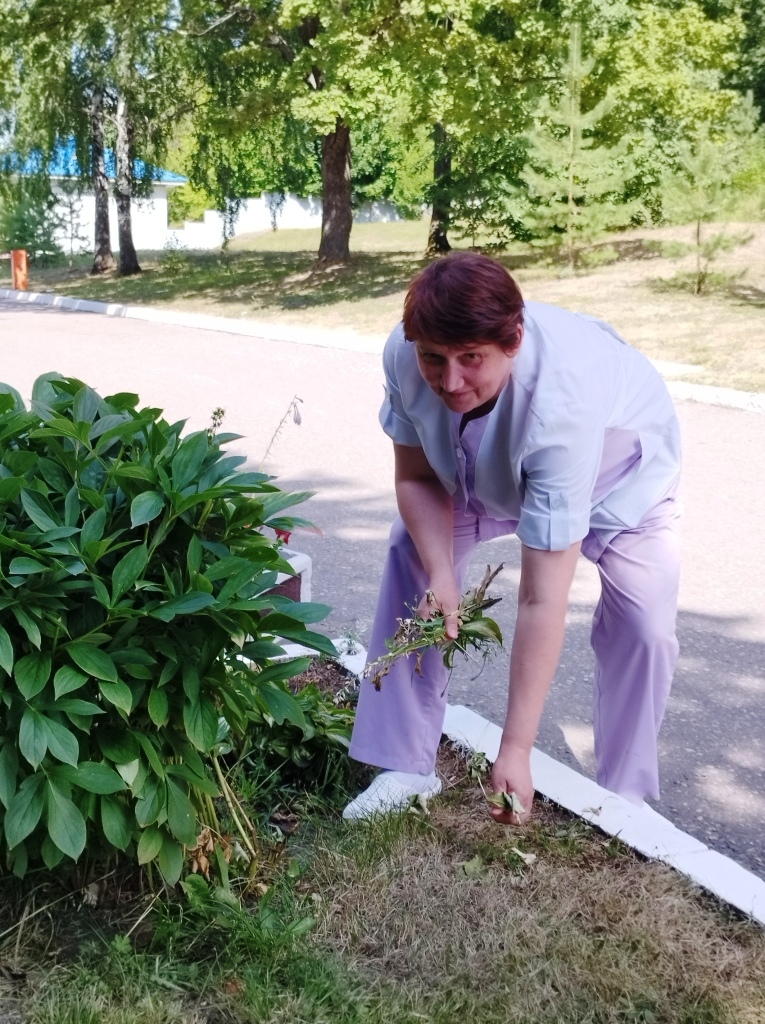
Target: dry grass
<point>588,933</point>
<point>723,333</point>
<point>438,920</point>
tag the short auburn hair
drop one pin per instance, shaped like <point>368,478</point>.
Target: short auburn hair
<point>461,298</point>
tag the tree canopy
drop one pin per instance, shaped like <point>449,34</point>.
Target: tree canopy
<point>416,101</point>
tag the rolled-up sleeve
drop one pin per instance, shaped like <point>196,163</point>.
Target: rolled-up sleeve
<point>393,417</point>
<point>559,469</point>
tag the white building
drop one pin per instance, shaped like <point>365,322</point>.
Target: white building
<point>150,214</point>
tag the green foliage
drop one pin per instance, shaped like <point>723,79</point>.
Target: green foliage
<point>699,192</point>
<point>134,616</point>
<point>29,220</point>
<point>577,186</point>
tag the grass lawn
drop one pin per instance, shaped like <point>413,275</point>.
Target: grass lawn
<point>272,277</point>
<point>446,919</point>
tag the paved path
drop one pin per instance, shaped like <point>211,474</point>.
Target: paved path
<point>712,743</point>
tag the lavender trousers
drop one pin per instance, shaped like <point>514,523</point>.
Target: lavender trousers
<point>633,637</point>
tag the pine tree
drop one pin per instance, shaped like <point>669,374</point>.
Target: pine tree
<point>576,185</point>
<point>700,192</point>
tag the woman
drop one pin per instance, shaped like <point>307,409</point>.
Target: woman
<point>512,417</point>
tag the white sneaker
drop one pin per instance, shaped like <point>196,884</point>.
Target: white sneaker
<point>390,792</point>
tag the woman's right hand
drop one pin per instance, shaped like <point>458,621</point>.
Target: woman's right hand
<point>442,598</point>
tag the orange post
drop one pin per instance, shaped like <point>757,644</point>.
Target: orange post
<point>19,269</point>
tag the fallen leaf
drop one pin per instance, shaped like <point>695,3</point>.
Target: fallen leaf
<point>527,858</point>
<point>474,868</point>
<point>507,801</point>
<point>418,805</point>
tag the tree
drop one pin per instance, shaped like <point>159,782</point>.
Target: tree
<point>69,201</point>
<point>440,193</point>
<point>29,219</point>
<point>576,185</point>
<point>665,67</point>
<point>63,97</point>
<point>700,192</point>
<point>96,72</point>
<point>304,72</point>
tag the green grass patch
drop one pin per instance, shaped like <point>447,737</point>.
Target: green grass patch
<point>443,919</point>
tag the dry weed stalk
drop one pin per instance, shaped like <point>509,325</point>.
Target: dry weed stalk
<point>293,411</point>
<point>414,636</point>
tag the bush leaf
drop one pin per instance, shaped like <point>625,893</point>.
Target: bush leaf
<point>94,661</point>
<point>189,458</point>
<point>9,767</point>
<point>33,737</point>
<point>118,694</point>
<point>187,604</point>
<point>68,679</point>
<point>181,818</point>
<point>25,566</point>
<point>114,821</point>
<point>201,721</point>
<point>145,507</point>
<point>170,860</point>
<point>61,742</point>
<point>66,825</point>
<point>127,571</point>
<point>32,672</point>
<point>6,651</point>
<point>25,810</point>
<point>158,706</point>
<point>93,777</point>
<point>149,845</point>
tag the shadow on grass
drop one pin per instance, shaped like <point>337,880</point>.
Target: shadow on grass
<point>717,285</point>
<point>263,280</point>
<point>260,280</point>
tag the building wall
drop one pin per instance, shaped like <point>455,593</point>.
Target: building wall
<point>150,230</point>
<point>263,214</point>
<point>149,217</point>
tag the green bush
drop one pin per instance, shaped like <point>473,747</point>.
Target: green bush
<point>29,220</point>
<point>135,627</point>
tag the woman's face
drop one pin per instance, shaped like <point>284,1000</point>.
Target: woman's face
<point>465,376</point>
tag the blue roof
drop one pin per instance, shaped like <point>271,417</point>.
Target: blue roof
<point>63,164</point>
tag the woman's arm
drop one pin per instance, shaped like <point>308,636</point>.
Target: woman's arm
<point>428,515</point>
<point>542,603</point>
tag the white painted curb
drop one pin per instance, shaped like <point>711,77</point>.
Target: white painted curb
<point>349,341</point>
<point>639,827</point>
<point>340,338</point>
<point>353,661</point>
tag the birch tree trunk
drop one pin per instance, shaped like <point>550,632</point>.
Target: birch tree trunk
<point>123,191</point>
<point>337,213</point>
<point>103,259</point>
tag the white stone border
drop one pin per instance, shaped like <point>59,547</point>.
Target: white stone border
<point>341,338</point>
<point>639,827</point>
<point>349,340</point>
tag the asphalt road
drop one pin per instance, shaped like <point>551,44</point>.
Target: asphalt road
<point>712,744</point>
